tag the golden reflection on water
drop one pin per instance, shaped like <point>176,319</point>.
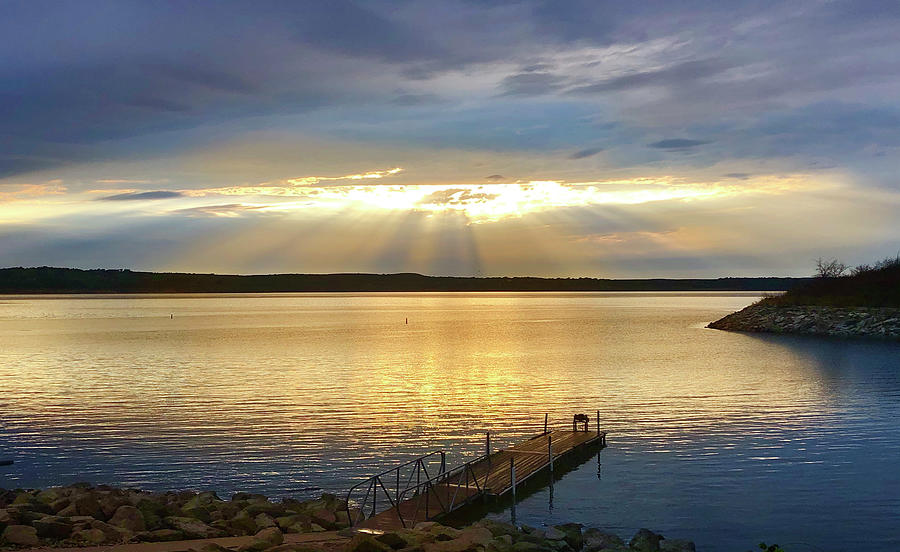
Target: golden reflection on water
<point>286,392</point>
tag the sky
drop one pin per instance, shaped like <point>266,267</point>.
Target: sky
<point>530,137</point>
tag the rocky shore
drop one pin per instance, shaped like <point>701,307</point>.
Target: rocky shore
<point>82,515</point>
<point>872,322</point>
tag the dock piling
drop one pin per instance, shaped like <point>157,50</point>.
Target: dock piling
<point>546,418</point>
<point>488,445</point>
<point>598,422</point>
<point>550,453</point>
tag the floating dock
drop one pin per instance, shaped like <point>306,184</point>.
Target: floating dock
<point>423,489</point>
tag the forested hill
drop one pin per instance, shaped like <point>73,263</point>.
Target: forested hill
<point>69,280</point>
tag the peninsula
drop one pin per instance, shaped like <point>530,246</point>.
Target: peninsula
<point>863,303</point>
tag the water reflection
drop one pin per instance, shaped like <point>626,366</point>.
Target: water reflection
<point>714,436</point>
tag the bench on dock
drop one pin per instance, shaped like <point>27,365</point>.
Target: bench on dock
<point>423,489</point>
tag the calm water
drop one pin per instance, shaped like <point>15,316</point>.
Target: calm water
<point>723,438</point>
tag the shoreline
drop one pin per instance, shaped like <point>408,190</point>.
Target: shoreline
<point>104,518</point>
<point>882,323</point>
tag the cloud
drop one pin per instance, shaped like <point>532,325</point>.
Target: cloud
<point>531,84</point>
<point>495,177</point>
<point>228,210</point>
<point>585,153</point>
<point>140,196</point>
<point>676,144</point>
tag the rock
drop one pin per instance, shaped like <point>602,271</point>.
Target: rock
<point>89,536</point>
<point>552,533</point>
<point>323,517</point>
<point>498,528</point>
<point>199,512</point>
<point>471,538</point>
<point>242,524</point>
<point>573,538</point>
<point>161,535</point>
<point>192,528</point>
<point>5,519</point>
<point>128,517</point>
<point>676,545</point>
<point>53,527</point>
<point>21,535</point>
<point>202,500</point>
<point>392,539</point>
<point>60,504</point>
<point>110,503</point>
<point>645,540</point>
<point>255,508</point>
<point>87,505</point>
<point>113,533</point>
<point>264,521</point>
<point>68,511</point>
<point>296,523</point>
<point>152,512</point>
<point>425,525</point>
<point>316,528</point>
<point>525,546</point>
<point>267,538</point>
<point>596,540</point>
<point>362,542</point>
<point>51,495</point>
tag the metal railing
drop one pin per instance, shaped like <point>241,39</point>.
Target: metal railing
<point>392,484</point>
<point>444,489</point>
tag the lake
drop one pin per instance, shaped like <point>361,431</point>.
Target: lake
<point>723,438</point>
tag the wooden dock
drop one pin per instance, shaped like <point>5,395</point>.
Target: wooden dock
<point>495,474</point>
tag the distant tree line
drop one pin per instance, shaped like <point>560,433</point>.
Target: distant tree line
<point>69,280</point>
<point>838,285</point>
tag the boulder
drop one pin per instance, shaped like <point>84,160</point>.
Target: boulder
<point>264,507</point>
<point>498,528</point>
<point>192,528</point>
<point>596,540</point>
<point>51,495</point>
<point>110,503</point>
<point>265,539</point>
<point>264,521</point>
<point>128,517</point>
<point>645,540</point>
<point>393,539</point>
<point>316,528</point>
<point>113,533</point>
<point>363,542</point>
<point>323,517</point>
<point>294,547</point>
<point>552,533</point>
<point>60,504</point>
<point>152,511</point>
<point>86,504</point>
<point>574,538</point>
<point>242,524</point>
<point>201,500</point>
<point>89,536</point>
<point>53,527</point>
<point>676,545</point>
<point>470,539</point>
<point>5,519</point>
<point>21,535</point>
<point>525,546</point>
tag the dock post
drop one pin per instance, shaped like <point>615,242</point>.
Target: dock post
<point>512,478</point>
<point>550,454</point>
<point>598,423</point>
<point>488,445</point>
<point>546,416</point>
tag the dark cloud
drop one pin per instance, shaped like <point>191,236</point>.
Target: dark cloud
<point>738,175</point>
<point>677,144</point>
<point>495,177</point>
<point>416,99</point>
<point>676,75</point>
<point>531,84</point>
<point>138,196</point>
<point>585,153</point>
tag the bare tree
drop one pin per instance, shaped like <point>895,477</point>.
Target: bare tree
<point>829,268</point>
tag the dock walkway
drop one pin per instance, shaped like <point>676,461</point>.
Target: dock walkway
<point>493,474</point>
